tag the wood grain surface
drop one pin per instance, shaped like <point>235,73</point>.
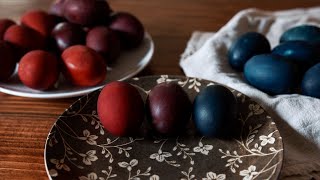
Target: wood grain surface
<point>25,122</point>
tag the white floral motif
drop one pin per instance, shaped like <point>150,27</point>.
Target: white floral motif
<point>267,139</point>
<point>91,176</point>
<point>184,151</point>
<point>53,173</point>
<point>88,157</point>
<point>256,109</point>
<point>90,139</point>
<point>160,156</point>
<point>60,164</point>
<point>204,149</point>
<point>188,174</point>
<point>249,173</point>
<point>129,166</point>
<point>154,177</point>
<point>212,176</point>
<point>194,84</point>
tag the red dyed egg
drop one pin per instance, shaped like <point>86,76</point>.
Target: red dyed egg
<point>39,21</point>
<point>83,66</point>
<point>24,38</point>
<point>120,108</point>
<point>4,25</point>
<point>38,69</point>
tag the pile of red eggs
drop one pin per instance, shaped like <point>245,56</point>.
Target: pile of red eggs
<point>76,37</point>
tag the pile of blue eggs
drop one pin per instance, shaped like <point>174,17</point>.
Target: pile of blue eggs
<point>293,66</point>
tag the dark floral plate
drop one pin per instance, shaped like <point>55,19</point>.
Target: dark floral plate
<point>79,148</point>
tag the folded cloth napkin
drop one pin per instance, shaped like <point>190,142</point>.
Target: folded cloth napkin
<point>297,116</point>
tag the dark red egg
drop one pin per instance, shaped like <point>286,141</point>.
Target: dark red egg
<point>38,69</point>
<point>39,21</point>
<point>129,28</point>
<point>83,66</point>
<point>24,39</point>
<point>7,61</point>
<point>120,109</point>
<point>66,34</point>
<point>169,108</point>
<point>4,25</point>
<point>105,41</point>
<point>86,12</point>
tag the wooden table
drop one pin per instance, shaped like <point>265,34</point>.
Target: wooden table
<point>25,122</point>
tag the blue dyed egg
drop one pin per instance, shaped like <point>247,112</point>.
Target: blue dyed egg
<point>298,51</point>
<point>214,111</point>
<point>246,46</point>
<point>308,33</point>
<point>270,73</point>
<point>310,85</point>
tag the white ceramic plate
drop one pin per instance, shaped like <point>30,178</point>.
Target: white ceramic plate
<point>129,64</point>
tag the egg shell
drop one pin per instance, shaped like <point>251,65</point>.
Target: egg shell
<point>4,25</point>
<point>86,12</point>
<point>310,84</point>
<point>105,41</point>
<point>83,66</point>
<point>270,73</point>
<point>129,29</point>
<point>120,109</point>
<point>215,111</point>
<point>168,108</point>
<point>246,46</point>
<point>306,32</point>
<point>298,51</point>
<point>24,39</point>
<point>39,21</point>
<point>38,69</point>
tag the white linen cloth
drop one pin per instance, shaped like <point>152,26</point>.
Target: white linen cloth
<point>297,116</point>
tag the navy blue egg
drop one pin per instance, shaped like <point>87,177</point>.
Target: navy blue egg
<point>298,51</point>
<point>246,46</point>
<point>301,33</point>
<point>270,73</point>
<point>310,85</point>
<point>214,111</point>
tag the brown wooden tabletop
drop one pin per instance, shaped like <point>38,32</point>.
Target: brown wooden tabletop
<point>25,122</point>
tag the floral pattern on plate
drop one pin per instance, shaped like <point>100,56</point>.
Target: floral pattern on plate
<point>78,147</point>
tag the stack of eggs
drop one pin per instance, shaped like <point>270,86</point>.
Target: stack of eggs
<point>292,65</point>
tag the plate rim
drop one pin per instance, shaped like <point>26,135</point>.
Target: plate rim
<point>147,57</point>
<point>153,76</point>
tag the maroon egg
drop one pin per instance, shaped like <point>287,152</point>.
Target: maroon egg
<point>105,41</point>
<point>38,69</point>
<point>86,12</point>
<point>66,34</point>
<point>4,25</point>
<point>169,108</point>
<point>7,61</point>
<point>56,7</point>
<point>120,109</point>
<point>129,28</point>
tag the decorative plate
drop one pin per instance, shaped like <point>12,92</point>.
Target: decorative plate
<point>129,64</point>
<point>78,147</point>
